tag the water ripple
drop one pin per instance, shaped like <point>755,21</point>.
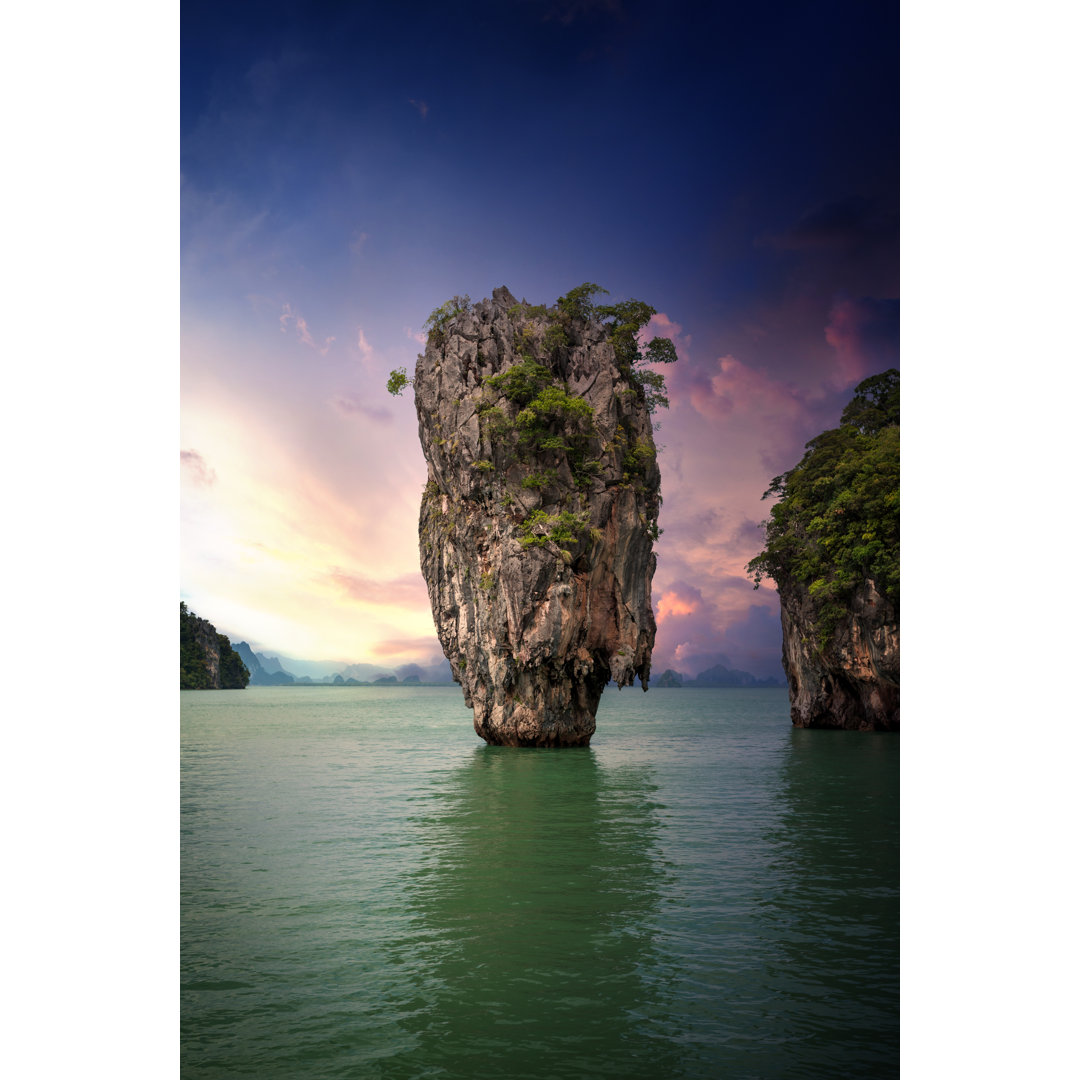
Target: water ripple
<point>369,892</point>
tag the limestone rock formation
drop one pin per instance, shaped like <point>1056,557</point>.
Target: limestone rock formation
<point>538,519</point>
<point>854,681</point>
<point>207,658</point>
<point>832,545</point>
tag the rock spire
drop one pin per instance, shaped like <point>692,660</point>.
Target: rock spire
<point>538,519</point>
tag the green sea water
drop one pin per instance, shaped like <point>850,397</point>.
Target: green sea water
<point>370,891</point>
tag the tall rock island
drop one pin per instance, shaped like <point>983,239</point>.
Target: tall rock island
<point>538,519</point>
<point>833,549</point>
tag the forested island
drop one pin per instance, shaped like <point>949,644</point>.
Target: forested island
<point>207,658</point>
<point>832,546</point>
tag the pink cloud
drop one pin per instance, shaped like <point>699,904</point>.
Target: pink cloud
<point>866,336</point>
<point>694,632</point>
<point>302,331</point>
<point>408,591</point>
<point>196,468</point>
<point>726,386</point>
<point>674,602</point>
<point>660,325</point>
<point>722,387</point>
<point>425,646</point>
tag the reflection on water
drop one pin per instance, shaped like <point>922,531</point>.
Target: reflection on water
<point>533,942</point>
<point>834,911</point>
<point>706,892</point>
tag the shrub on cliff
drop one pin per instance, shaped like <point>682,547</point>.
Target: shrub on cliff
<point>837,521</point>
<point>624,322</point>
<point>194,666</point>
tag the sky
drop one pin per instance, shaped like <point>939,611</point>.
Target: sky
<point>674,200</point>
<point>346,168</point>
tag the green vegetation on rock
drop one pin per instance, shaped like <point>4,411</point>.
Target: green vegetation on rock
<point>436,322</point>
<point>200,646</point>
<point>194,669</point>
<point>398,381</point>
<point>536,434</point>
<point>624,321</point>
<point>566,527</point>
<point>232,672</point>
<point>837,521</point>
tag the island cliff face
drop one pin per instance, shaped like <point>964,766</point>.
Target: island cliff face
<point>854,681</point>
<point>539,515</point>
<point>832,545</point>
<point>207,658</point>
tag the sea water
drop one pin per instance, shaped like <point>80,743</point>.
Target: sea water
<point>370,891</point>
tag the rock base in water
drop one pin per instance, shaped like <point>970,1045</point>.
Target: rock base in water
<point>853,683</point>
<point>538,520</point>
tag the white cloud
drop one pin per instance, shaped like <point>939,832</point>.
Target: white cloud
<point>362,343</point>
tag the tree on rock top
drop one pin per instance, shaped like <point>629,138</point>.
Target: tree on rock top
<point>837,521</point>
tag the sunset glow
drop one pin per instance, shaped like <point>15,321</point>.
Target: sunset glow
<point>340,180</point>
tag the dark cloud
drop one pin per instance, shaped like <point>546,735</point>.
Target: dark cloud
<point>196,468</point>
<point>847,246</point>
<point>748,536</point>
<point>865,334</point>
<point>848,224</point>
<point>351,405</point>
<point>567,12</point>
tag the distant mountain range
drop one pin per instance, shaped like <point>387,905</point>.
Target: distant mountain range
<point>271,671</point>
<point>718,675</point>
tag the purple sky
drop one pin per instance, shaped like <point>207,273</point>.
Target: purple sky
<point>347,169</point>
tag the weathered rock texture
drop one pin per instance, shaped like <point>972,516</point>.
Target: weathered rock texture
<point>854,682</point>
<point>538,562</point>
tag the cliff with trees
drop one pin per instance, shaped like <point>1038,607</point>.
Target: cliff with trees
<point>832,546</point>
<point>207,658</point>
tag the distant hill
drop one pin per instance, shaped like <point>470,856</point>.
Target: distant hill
<point>719,675</point>
<point>269,670</point>
<point>207,658</point>
<point>265,670</point>
<point>410,674</point>
<point>668,680</point>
